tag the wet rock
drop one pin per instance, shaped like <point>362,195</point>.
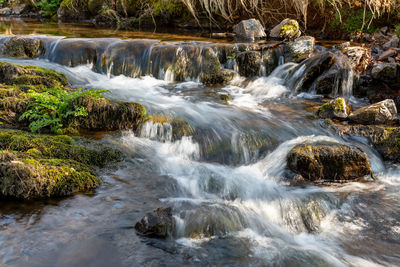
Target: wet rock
<point>288,29</point>
<point>108,115</point>
<point>341,46</point>
<point>299,49</point>
<point>385,71</point>
<point>393,42</point>
<point>270,59</point>
<point>328,162</point>
<point>386,140</point>
<point>158,223</point>
<point>219,77</point>
<point>249,63</point>
<point>378,113</point>
<point>180,128</point>
<point>386,54</point>
<point>28,76</point>
<point>337,108</point>
<point>23,47</point>
<point>249,30</point>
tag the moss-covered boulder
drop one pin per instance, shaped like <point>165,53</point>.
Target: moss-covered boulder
<point>288,29</point>
<point>337,108</point>
<point>378,113</point>
<point>104,114</point>
<point>28,76</point>
<point>40,166</point>
<point>23,47</point>
<point>328,162</point>
<point>386,140</point>
<point>219,77</point>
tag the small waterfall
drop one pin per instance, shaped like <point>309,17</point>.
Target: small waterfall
<point>161,132</point>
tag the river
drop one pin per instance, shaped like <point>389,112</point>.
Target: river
<point>226,183</point>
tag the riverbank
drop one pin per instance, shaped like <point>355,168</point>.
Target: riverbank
<point>336,20</point>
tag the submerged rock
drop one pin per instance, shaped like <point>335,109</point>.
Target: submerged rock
<point>23,47</point>
<point>337,108</point>
<point>328,162</point>
<point>378,113</point>
<point>288,29</point>
<point>158,223</point>
<point>249,30</point>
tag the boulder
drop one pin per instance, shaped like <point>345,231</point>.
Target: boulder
<point>249,63</point>
<point>5,11</point>
<point>337,108</point>
<point>328,162</point>
<point>378,113</point>
<point>387,72</point>
<point>288,29</point>
<point>386,140</point>
<point>393,42</point>
<point>158,223</point>
<point>23,47</point>
<point>299,49</point>
<point>249,30</point>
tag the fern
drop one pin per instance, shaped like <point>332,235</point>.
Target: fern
<point>54,107</point>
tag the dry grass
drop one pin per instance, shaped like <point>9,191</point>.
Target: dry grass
<point>264,10</point>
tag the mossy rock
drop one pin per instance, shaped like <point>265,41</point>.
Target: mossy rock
<point>219,77</point>
<point>328,162</point>
<point>104,114</point>
<point>26,177</point>
<point>180,128</point>
<point>337,108</point>
<point>30,76</point>
<point>23,47</point>
<point>59,146</point>
<point>40,166</point>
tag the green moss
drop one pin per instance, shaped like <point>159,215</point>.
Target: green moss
<point>181,128</point>
<point>352,21</point>
<point>60,147</point>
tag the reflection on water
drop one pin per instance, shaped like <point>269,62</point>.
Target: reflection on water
<point>87,30</point>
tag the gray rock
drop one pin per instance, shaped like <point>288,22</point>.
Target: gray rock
<point>385,71</point>
<point>386,54</point>
<point>287,29</point>
<point>5,11</point>
<point>300,49</point>
<point>328,162</point>
<point>393,42</point>
<point>378,113</point>
<point>249,30</point>
<point>158,223</point>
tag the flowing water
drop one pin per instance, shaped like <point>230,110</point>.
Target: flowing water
<point>225,182</point>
